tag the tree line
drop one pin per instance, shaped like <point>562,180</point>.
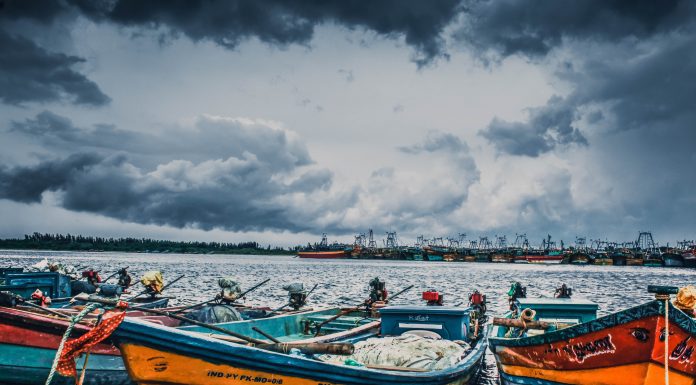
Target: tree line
<point>69,242</point>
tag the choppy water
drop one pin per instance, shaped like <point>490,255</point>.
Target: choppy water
<point>344,282</point>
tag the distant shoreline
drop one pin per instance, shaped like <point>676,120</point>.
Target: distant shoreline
<point>82,243</point>
<point>261,252</point>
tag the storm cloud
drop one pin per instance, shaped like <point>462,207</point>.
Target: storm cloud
<point>281,23</point>
<point>548,127</point>
<point>245,183</point>
<point>526,27</point>
<point>30,73</point>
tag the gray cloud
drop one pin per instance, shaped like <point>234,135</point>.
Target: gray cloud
<point>526,27</point>
<point>252,185</point>
<point>27,183</point>
<point>281,23</point>
<point>29,73</point>
<point>548,127</point>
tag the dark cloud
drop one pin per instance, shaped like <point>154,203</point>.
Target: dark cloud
<point>548,127</point>
<point>210,138</point>
<point>27,183</point>
<point>281,23</point>
<point>527,27</point>
<point>258,183</point>
<point>29,73</point>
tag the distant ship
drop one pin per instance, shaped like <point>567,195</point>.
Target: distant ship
<point>323,250</point>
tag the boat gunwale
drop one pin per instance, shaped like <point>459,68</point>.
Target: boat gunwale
<point>652,308</point>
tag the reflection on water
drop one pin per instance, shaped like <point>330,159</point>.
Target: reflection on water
<point>344,282</point>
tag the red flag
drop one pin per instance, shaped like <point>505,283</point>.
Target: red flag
<point>73,348</point>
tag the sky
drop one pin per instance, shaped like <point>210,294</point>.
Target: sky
<point>277,121</point>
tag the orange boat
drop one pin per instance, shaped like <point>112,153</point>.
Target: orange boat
<point>567,345</point>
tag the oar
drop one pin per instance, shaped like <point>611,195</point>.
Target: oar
<point>10,299</point>
<point>356,308</point>
<point>114,274</point>
<point>288,304</point>
<point>308,348</point>
<point>215,299</point>
<point>175,316</point>
<point>161,290</point>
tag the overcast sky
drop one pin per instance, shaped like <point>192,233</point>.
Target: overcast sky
<point>276,121</point>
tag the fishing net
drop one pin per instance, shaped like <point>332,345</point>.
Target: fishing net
<point>213,314</point>
<point>686,298</point>
<point>406,351</point>
<point>294,287</point>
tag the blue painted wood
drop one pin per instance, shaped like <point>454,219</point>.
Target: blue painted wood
<point>133,331</point>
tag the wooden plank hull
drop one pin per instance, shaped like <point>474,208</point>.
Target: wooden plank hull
<point>28,346</point>
<point>156,355</point>
<point>625,348</point>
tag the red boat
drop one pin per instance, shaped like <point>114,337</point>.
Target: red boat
<point>323,250</point>
<point>328,254</point>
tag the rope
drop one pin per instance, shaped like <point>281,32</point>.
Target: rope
<point>665,297</point>
<point>73,321</point>
<point>667,341</point>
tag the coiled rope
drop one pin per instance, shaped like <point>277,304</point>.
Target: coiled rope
<point>73,321</point>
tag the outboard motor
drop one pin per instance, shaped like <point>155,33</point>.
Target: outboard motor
<point>477,301</point>
<point>92,277</point>
<point>516,291</point>
<point>230,290</point>
<point>297,296</point>
<point>42,299</point>
<point>433,298</point>
<point>124,279</point>
<point>563,292</point>
<point>378,290</point>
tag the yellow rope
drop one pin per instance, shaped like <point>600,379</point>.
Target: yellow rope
<point>665,297</point>
<point>667,341</point>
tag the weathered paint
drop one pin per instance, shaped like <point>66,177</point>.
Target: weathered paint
<point>625,348</point>
<point>149,351</point>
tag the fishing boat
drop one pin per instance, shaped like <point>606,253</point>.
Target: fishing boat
<point>324,250</point>
<point>28,341</point>
<point>159,355</point>
<point>689,257</point>
<point>24,283</point>
<point>671,257</point>
<point>579,258</point>
<point>560,341</point>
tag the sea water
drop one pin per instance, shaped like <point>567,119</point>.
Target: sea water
<point>345,282</point>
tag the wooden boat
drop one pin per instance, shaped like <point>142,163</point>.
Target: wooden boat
<point>502,257</point>
<point>623,348</point>
<point>579,258</point>
<point>22,283</point>
<point>159,355</point>
<point>672,258</point>
<point>28,341</point>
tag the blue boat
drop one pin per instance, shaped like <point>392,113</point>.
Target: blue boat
<point>160,355</point>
